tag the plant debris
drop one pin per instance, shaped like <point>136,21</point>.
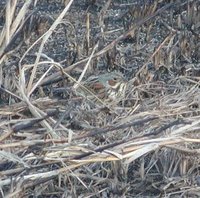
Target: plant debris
<point>57,143</point>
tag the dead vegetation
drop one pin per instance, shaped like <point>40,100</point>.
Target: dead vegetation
<point>57,144</point>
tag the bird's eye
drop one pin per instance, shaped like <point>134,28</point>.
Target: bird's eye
<point>115,79</point>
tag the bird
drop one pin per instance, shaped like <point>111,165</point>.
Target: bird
<point>107,87</point>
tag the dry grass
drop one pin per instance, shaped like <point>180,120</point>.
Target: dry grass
<point>57,144</point>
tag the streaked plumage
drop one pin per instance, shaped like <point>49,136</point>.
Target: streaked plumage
<point>106,87</point>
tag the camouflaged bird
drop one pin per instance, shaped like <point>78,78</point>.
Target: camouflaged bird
<point>109,87</point>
